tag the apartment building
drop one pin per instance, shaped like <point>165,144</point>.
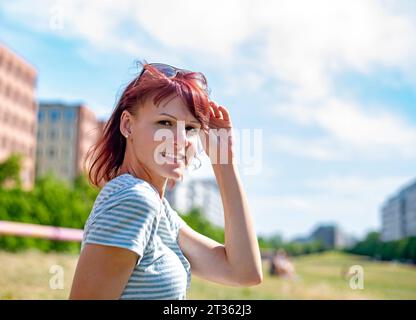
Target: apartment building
<point>65,134</point>
<point>18,109</point>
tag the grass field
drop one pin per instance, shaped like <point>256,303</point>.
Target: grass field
<point>27,275</point>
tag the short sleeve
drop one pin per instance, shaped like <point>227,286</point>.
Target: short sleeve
<point>129,222</point>
<point>175,219</point>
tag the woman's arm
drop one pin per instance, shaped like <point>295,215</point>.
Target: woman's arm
<point>240,240</point>
<point>102,272</point>
<point>114,242</point>
<point>238,261</point>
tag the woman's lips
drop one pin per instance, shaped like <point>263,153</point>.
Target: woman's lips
<point>171,157</point>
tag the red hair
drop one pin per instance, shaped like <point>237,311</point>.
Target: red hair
<point>107,155</point>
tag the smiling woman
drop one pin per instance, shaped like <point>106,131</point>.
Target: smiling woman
<point>135,246</point>
<point>149,103</point>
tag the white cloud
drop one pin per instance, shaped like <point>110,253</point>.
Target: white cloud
<point>305,40</point>
<point>309,41</point>
<point>97,23</point>
<point>357,186</point>
<point>349,123</point>
<point>213,27</point>
<point>344,200</point>
<point>348,130</point>
<point>318,149</point>
<point>247,82</point>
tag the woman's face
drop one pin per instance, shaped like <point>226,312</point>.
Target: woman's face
<point>161,136</point>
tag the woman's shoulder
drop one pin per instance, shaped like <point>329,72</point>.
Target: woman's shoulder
<point>125,198</point>
<point>128,193</point>
<point>128,218</point>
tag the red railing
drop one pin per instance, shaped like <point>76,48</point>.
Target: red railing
<point>39,231</point>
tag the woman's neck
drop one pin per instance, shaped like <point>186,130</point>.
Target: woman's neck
<point>159,184</point>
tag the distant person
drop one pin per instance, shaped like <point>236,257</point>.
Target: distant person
<point>135,245</point>
<point>281,265</point>
<point>272,268</point>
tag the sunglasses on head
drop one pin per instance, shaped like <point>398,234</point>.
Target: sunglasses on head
<point>171,71</point>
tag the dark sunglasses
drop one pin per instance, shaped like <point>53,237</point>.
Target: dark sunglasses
<point>171,71</point>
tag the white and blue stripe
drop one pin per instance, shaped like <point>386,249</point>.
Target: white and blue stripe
<point>129,213</point>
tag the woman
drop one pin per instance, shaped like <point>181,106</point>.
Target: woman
<point>135,245</point>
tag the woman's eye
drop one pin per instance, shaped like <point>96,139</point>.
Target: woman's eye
<point>168,123</point>
<point>192,130</point>
<point>164,122</point>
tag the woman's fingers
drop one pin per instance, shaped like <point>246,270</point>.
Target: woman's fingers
<point>212,112</point>
<point>217,110</point>
<point>225,114</point>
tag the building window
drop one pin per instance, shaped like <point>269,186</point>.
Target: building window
<point>68,133</point>
<point>69,115</point>
<point>54,115</point>
<point>53,134</point>
<point>41,116</point>
<point>51,152</point>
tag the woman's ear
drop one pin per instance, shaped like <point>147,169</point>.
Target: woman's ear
<point>125,123</point>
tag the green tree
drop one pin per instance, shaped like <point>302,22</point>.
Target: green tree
<point>10,170</point>
<point>197,221</point>
<point>51,202</point>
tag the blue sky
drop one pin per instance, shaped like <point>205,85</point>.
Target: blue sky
<point>332,86</point>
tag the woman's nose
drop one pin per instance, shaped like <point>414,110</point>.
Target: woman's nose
<point>180,136</point>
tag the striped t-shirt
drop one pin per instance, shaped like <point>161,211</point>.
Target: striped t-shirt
<point>129,213</point>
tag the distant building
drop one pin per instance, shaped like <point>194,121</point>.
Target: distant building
<point>65,133</point>
<point>18,110</point>
<point>198,193</point>
<point>101,125</point>
<point>398,215</point>
<point>331,236</point>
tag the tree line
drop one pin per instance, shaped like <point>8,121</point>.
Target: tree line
<point>403,250</point>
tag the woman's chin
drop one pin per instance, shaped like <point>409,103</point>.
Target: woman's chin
<point>174,173</point>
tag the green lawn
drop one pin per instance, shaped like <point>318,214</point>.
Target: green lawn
<point>27,275</point>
